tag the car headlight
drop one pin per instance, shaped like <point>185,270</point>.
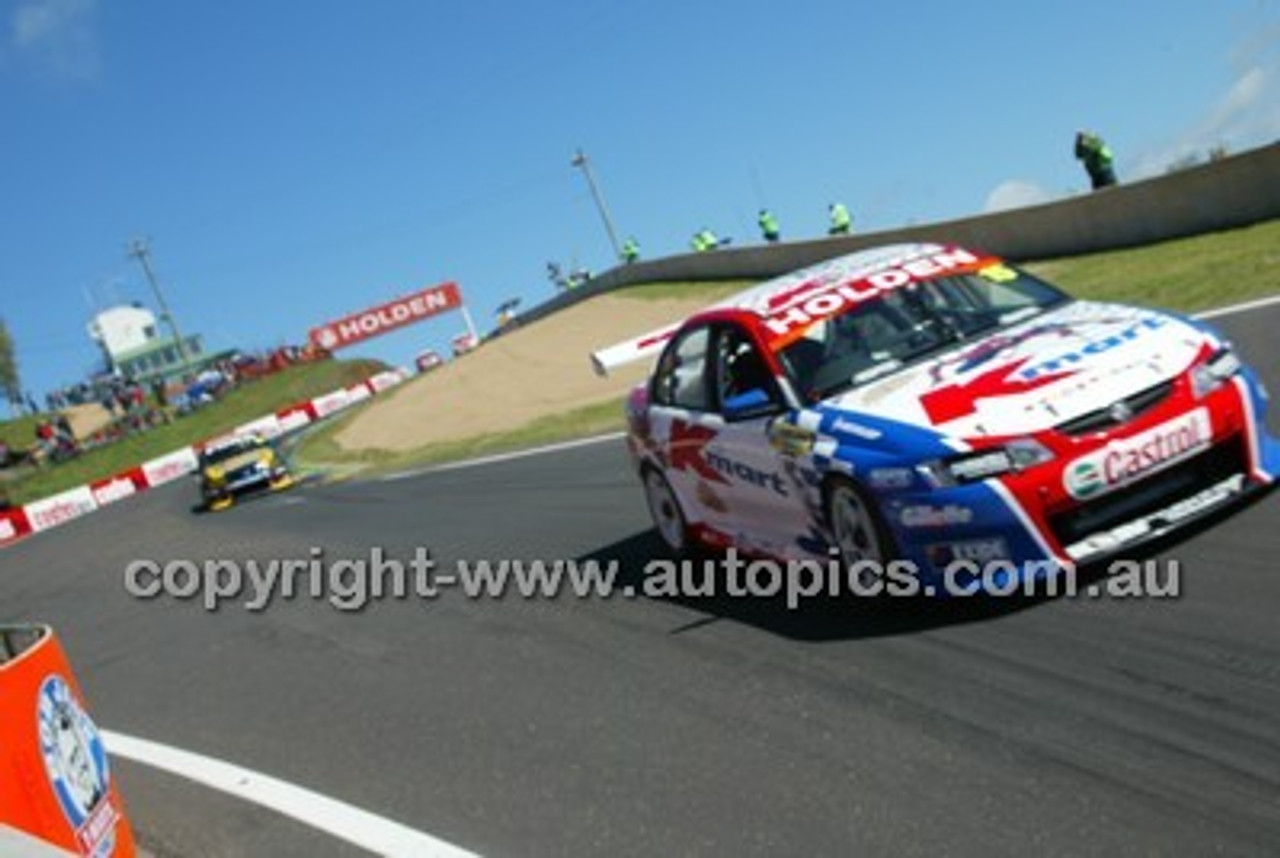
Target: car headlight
<point>1017,455</point>
<point>1213,373</point>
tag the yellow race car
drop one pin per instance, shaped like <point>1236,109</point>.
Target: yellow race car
<point>241,464</point>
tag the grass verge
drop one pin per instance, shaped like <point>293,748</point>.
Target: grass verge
<point>1187,274</point>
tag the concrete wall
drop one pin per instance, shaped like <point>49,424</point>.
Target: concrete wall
<point>1232,192</point>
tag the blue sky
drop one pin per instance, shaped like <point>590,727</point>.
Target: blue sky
<point>295,160</point>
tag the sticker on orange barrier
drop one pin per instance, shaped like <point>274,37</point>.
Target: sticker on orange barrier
<point>55,776</point>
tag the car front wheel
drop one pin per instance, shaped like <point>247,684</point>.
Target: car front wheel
<point>856,530</point>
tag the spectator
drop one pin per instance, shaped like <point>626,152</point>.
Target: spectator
<point>841,221</point>
<point>44,439</point>
<point>704,240</point>
<point>769,226</point>
<point>630,250</point>
<point>160,392</point>
<point>1093,151</point>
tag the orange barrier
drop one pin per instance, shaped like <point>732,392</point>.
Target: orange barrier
<point>55,777</point>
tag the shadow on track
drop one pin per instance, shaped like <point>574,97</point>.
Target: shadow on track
<point>814,618</point>
<point>849,617</point>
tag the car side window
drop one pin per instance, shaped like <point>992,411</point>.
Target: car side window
<point>741,370</point>
<point>681,378</point>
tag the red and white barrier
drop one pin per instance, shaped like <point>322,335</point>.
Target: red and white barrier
<point>13,525</point>
<point>74,503</point>
<point>330,403</point>
<point>119,487</point>
<point>61,508</point>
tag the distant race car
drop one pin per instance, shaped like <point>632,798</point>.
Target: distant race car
<point>427,360</point>
<point>239,465</point>
<point>463,343</point>
<point>934,404</point>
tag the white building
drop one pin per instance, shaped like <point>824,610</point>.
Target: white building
<point>133,346</point>
<point>120,330</point>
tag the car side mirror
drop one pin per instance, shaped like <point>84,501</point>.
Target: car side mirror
<point>749,405</point>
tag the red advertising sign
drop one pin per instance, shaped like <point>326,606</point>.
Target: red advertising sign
<point>386,318</point>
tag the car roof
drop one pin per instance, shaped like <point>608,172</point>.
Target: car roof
<point>782,308</point>
<point>784,304</point>
<point>895,265</point>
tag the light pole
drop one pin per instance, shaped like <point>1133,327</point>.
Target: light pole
<point>140,250</point>
<point>580,160</point>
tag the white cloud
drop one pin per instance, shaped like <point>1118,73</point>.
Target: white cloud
<point>1246,115</point>
<point>58,35</point>
<point>1016,194</point>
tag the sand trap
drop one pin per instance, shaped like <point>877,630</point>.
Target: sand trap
<point>532,372</point>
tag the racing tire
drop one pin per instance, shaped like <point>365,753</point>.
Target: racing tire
<point>219,504</point>
<point>857,530</point>
<point>664,509</point>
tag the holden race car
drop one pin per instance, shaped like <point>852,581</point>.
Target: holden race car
<point>934,404</point>
<point>238,465</point>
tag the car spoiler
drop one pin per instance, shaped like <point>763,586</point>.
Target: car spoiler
<point>637,348</point>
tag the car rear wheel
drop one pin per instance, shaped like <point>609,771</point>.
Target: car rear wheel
<point>664,509</point>
<point>856,529</point>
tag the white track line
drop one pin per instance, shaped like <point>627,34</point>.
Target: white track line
<point>1238,308</point>
<point>366,830</point>
<point>505,457</point>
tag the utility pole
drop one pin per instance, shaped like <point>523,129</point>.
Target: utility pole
<point>141,251</point>
<point>580,160</point>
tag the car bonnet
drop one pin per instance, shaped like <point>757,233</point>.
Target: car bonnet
<point>1038,374</point>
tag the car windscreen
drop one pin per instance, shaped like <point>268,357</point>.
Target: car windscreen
<point>880,335</point>
<point>224,453</point>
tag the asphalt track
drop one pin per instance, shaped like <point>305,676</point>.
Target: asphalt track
<point>657,726</point>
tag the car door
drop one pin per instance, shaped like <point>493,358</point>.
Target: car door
<point>682,423</point>
<point>764,500</point>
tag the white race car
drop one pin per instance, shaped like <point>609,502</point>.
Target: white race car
<point>935,404</point>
